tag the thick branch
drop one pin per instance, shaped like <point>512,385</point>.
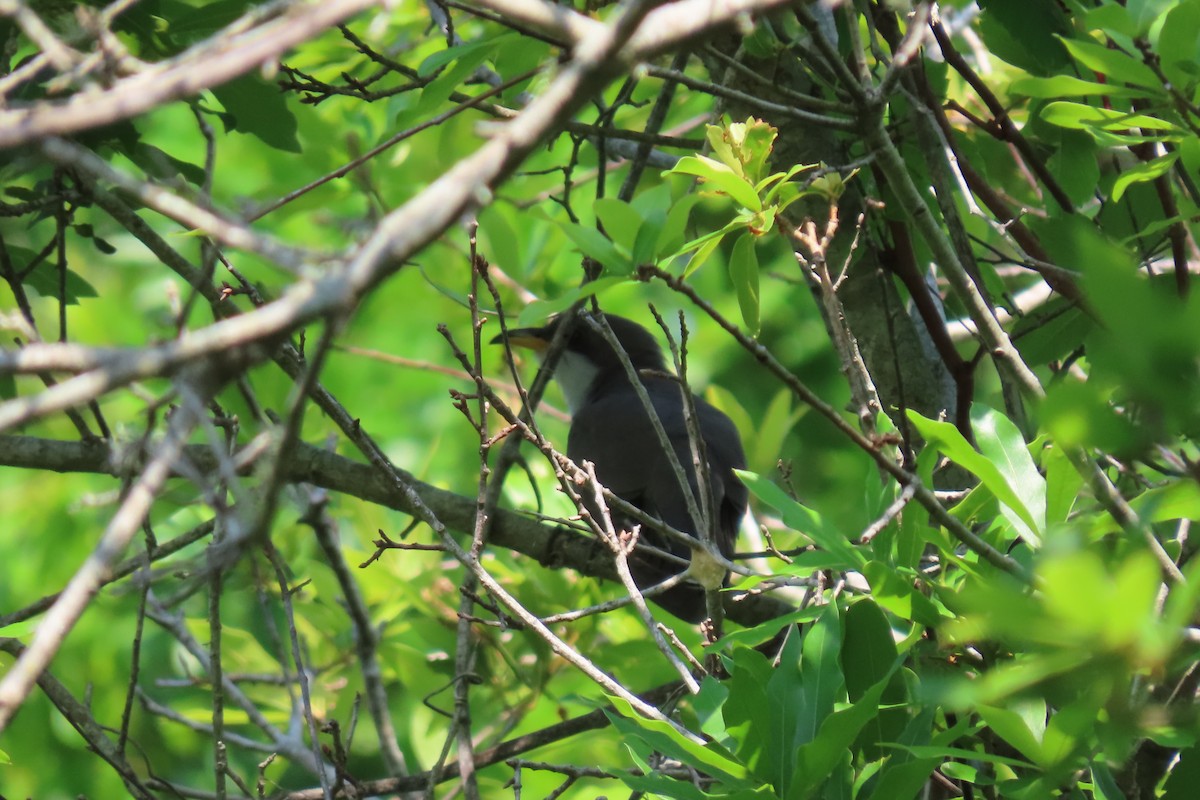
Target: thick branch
<point>551,545</point>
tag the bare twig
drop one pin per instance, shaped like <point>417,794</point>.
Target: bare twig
<point>70,605</point>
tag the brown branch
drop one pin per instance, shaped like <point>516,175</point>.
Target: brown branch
<point>901,261</point>
<point>550,545</point>
<point>82,720</point>
<point>214,61</point>
<point>1005,128</point>
<point>593,720</point>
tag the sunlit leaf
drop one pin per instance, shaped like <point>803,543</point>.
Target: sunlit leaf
<point>743,271</point>
<point>1002,444</point>
<point>1116,65</point>
<point>802,519</point>
<point>1071,86</point>
<point>949,441</point>
<point>1146,171</point>
<point>539,311</point>
<point>1085,117</point>
<point>667,739</point>
<point>596,245</point>
<point>720,177</point>
<point>621,222</point>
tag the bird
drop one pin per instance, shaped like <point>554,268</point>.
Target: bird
<point>611,429</point>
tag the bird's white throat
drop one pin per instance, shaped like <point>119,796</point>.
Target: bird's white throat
<point>575,374</point>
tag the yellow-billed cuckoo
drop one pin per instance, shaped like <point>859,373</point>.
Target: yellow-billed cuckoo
<point>611,428</point>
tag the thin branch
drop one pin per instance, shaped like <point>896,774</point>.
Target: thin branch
<point>223,228</point>
<point>593,720</point>
<point>82,720</point>
<point>70,605</point>
<point>291,746</point>
<point>214,61</point>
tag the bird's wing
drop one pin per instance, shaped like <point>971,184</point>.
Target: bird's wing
<point>606,430</point>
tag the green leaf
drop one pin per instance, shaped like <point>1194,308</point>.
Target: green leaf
<point>804,520</point>
<point>762,43</point>
<point>744,147</point>
<point>1063,483</point>
<point>743,271</point>
<point>621,221</point>
<point>193,24</point>
<point>706,239</point>
<point>772,430</point>
<point>1070,86</point>
<point>594,244</point>
<point>903,776</point>
<point>1023,34</point>
<point>44,280</point>
<point>765,631</point>
<point>1015,729</point>
<point>707,705</point>
<point>1117,66</point>
<point>1084,117</point>
<point>817,759</point>
<point>748,711</point>
<point>781,181</point>
<point>1136,583</point>
<point>914,522</point>
<point>1001,442</point>
<point>663,786</point>
<point>811,561</point>
<point>1053,332</point>
<point>1111,18</point>
<point>703,253</point>
<point>1101,612</point>
<point>1075,413</point>
<point>710,758</point>
<point>950,443</point>
<point>1146,171</point>
<point>755,147</point>
<point>938,751</point>
<point>721,178</point>
<point>538,311</point>
<point>820,672</point>
<point>785,710</point>
<point>163,165</point>
<point>670,238</point>
<point>906,780</point>
<point>443,57</point>
<point>1145,13</point>
<point>1170,502</point>
<point>1104,784</point>
<point>260,110</point>
<point>1178,45</point>
<point>498,239</point>
<point>656,198</point>
<point>19,630</point>
<point>1075,164</point>
<point>645,245</point>
<point>869,656</point>
<point>439,90</point>
<point>898,595</point>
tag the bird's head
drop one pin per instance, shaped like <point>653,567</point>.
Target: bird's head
<point>588,361</point>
